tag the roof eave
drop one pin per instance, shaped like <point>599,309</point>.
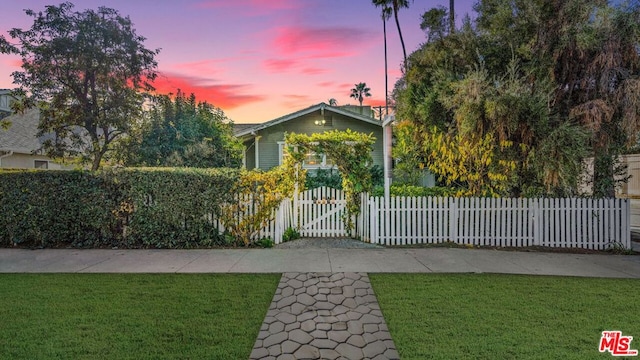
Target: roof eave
<point>337,110</point>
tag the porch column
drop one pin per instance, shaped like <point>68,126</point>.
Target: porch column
<point>257,149</point>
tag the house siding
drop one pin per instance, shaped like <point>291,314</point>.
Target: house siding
<point>26,161</point>
<point>269,137</point>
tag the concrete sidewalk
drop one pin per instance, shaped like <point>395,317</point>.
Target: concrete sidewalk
<point>440,260</point>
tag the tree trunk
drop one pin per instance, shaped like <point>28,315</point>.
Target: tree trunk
<point>386,77</point>
<point>452,21</point>
<point>404,50</point>
<point>95,164</point>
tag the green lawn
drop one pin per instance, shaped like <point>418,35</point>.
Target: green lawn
<point>132,316</point>
<point>485,316</point>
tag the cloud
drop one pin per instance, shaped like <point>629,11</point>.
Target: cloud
<point>279,65</point>
<point>320,42</point>
<point>313,71</point>
<point>326,84</point>
<point>225,96</point>
<point>208,67</point>
<point>375,102</point>
<point>296,100</point>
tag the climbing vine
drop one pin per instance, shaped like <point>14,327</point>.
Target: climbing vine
<point>257,195</point>
<point>350,151</point>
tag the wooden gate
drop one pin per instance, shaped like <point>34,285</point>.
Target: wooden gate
<point>320,212</point>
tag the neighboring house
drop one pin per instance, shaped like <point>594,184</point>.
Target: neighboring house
<point>20,147</point>
<point>264,143</point>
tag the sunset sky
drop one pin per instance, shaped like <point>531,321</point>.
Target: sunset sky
<point>258,59</point>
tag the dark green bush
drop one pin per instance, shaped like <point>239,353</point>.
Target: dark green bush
<point>412,190</point>
<point>49,208</point>
<point>141,207</point>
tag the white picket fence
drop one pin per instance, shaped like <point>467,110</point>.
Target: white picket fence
<point>584,223</point>
<point>500,222</point>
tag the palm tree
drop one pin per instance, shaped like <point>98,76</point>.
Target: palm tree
<point>359,92</point>
<point>386,14</point>
<point>452,21</point>
<point>395,5</point>
<point>333,102</point>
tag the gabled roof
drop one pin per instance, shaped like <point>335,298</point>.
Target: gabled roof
<point>322,106</point>
<point>21,136</point>
<point>237,128</point>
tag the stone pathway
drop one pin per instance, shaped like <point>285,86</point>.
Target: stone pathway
<point>324,316</point>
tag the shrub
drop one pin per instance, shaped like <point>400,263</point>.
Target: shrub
<point>265,243</point>
<point>172,207</point>
<point>142,207</point>
<point>413,191</point>
<point>290,234</point>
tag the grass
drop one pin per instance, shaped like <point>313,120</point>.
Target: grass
<point>132,316</point>
<point>488,316</point>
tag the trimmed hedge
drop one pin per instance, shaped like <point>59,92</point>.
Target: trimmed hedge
<point>133,207</point>
<point>414,191</point>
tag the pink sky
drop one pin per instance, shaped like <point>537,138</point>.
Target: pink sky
<point>259,59</point>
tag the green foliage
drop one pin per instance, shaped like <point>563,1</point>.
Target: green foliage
<point>323,177</point>
<point>350,151</point>
<point>359,91</point>
<point>257,195</point>
<point>56,208</point>
<point>171,207</point>
<point>183,132</point>
<point>558,82</point>
<point>290,234</point>
<point>265,243</point>
<point>406,152</point>
<point>415,191</point>
<point>85,71</point>
<point>161,208</point>
<point>377,175</point>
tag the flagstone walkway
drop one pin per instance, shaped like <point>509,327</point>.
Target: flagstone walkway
<point>324,316</point>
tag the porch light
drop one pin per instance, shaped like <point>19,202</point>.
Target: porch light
<point>320,122</point>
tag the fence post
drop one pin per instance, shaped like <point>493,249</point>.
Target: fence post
<point>626,227</point>
<point>453,220</point>
<point>373,217</point>
<point>534,210</point>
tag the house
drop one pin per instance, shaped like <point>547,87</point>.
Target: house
<point>20,147</point>
<point>264,143</point>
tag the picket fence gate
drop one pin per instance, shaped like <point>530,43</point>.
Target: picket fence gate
<point>498,222</point>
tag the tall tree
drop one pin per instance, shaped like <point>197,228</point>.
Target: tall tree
<point>396,5</point>
<point>452,19</point>
<point>86,71</point>
<point>179,131</point>
<point>360,91</point>
<point>542,84</point>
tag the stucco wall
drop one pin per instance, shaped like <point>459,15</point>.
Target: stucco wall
<point>25,161</point>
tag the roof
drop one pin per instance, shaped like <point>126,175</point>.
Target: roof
<point>241,127</point>
<point>321,106</point>
<point>21,136</point>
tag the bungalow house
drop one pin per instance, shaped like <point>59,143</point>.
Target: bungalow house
<point>20,147</point>
<point>264,143</point>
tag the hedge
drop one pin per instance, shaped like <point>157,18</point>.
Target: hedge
<point>132,207</point>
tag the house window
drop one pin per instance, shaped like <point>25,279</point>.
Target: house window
<point>312,159</point>
<point>41,164</point>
